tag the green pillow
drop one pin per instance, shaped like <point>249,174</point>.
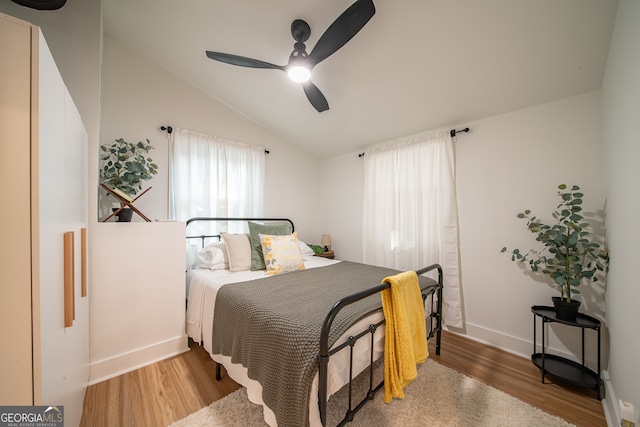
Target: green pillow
<point>255,229</point>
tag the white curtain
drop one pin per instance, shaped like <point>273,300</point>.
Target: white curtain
<point>410,217</point>
<point>214,177</point>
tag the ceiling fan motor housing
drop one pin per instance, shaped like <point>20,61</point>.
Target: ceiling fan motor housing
<point>300,30</point>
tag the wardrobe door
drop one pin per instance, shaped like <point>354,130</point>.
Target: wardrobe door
<point>62,148</point>
<point>16,364</point>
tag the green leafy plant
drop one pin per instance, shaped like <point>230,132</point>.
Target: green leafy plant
<point>569,254</point>
<point>317,249</point>
<point>126,165</point>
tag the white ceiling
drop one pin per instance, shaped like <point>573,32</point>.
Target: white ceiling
<point>417,65</point>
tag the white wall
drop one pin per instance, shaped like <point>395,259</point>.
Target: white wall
<point>621,123</point>
<point>139,97</point>
<point>506,164</point>
<point>138,307</point>
<point>343,185</point>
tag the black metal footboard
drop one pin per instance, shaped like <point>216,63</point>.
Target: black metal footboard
<point>325,353</point>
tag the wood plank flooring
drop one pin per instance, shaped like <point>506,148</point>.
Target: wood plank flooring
<point>158,394</point>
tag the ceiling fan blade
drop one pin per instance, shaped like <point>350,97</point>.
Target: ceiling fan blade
<point>241,61</point>
<point>342,30</point>
<point>316,97</point>
<point>41,4</point>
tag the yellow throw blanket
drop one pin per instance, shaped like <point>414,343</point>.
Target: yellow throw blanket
<point>406,333</point>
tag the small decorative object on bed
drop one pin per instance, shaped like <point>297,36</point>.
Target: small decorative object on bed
<point>569,254</point>
<point>297,331</point>
<point>124,167</point>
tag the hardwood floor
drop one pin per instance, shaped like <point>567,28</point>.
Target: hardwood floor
<point>158,394</point>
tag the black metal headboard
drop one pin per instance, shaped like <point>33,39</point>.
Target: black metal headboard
<point>207,219</point>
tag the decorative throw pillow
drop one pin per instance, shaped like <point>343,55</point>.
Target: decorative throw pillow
<point>238,251</point>
<point>281,253</point>
<point>255,229</point>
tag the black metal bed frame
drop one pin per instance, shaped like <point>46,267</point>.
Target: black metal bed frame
<point>435,316</point>
<point>217,236</point>
<point>325,353</point>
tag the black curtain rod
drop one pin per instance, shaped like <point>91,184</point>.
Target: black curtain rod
<point>453,132</point>
<point>169,129</point>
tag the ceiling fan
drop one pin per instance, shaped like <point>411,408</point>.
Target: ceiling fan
<point>41,4</point>
<point>347,25</point>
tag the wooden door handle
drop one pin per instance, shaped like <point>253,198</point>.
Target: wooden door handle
<point>69,303</point>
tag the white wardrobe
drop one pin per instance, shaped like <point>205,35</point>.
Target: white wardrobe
<point>44,307</point>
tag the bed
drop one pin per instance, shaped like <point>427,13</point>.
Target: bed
<point>292,338</point>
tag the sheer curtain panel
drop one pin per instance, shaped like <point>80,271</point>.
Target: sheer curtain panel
<point>410,216</point>
<point>214,177</point>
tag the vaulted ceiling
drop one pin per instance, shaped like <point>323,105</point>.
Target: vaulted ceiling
<point>417,65</point>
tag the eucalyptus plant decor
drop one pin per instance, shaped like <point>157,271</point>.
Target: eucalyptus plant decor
<point>569,254</point>
<point>126,165</point>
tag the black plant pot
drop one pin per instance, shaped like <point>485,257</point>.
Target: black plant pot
<point>124,215</point>
<point>566,310</point>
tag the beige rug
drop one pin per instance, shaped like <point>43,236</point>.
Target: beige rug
<point>438,397</point>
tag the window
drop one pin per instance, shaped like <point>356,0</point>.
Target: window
<point>410,217</point>
<point>214,177</point>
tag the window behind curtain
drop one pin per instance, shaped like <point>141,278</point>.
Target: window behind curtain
<point>214,177</point>
<point>410,217</point>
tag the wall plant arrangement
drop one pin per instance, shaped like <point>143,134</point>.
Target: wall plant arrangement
<point>569,254</point>
<point>125,166</point>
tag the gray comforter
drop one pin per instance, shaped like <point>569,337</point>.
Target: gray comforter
<point>272,327</point>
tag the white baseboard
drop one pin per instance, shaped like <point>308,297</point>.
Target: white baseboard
<point>500,340</point>
<point>105,369</point>
<point>511,344</point>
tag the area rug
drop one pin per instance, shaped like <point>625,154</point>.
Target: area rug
<point>440,396</point>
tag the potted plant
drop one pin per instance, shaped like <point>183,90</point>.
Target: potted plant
<point>569,254</point>
<point>125,167</point>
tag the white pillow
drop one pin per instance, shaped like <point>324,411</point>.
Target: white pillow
<point>214,256</point>
<point>238,251</point>
<point>281,253</point>
<point>305,250</point>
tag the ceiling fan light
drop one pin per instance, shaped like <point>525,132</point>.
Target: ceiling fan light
<point>299,74</point>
